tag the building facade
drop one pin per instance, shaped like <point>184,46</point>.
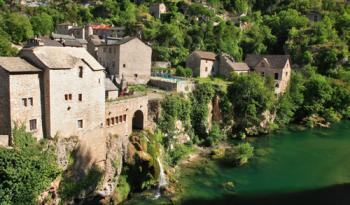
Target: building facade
<point>227,66</point>
<point>202,63</point>
<point>278,67</point>
<point>20,96</point>
<point>157,9</point>
<point>128,57</point>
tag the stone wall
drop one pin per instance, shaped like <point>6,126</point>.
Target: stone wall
<point>119,114</point>
<point>135,61</point>
<point>26,87</point>
<point>180,86</point>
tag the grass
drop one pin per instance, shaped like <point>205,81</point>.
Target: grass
<point>221,82</point>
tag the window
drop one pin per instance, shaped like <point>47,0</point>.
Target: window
<point>80,123</point>
<point>124,65</point>
<point>116,120</point>
<point>32,125</point>
<point>108,122</point>
<point>262,74</point>
<point>206,69</point>
<point>70,96</point>
<point>80,71</point>
<point>124,118</point>
<point>135,75</point>
<point>286,73</point>
<point>66,96</point>
<point>276,76</point>
<point>24,101</point>
<point>30,101</point>
<point>80,97</point>
<point>112,120</point>
<point>120,118</point>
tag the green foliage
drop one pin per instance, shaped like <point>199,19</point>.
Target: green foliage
<point>215,135</point>
<point>183,72</point>
<point>26,170</point>
<point>42,24</point>
<point>72,185</point>
<point>178,153</point>
<point>202,96</point>
<point>240,154</point>
<point>18,27</point>
<point>123,189</point>
<point>250,98</point>
<point>5,45</point>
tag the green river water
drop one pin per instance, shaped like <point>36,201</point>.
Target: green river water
<point>290,167</point>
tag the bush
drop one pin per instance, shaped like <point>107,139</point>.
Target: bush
<point>184,72</point>
<point>26,170</point>
<point>179,152</point>
<point>215,135</point>
<point>123,189</point>
<point>240,154</point>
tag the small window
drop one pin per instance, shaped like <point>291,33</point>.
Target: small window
<point>66,97</point>
<point>70,96</point>
<point>112,120</point>
<point>30,101</point>
<point>120,118</point>
<point>206,69</point>
<point>80,123</point>
<point>276,76</point>
<point>135,75</point>
<point>24,101</point>
<point>80,97</point>
<point>286,73</point>
<point>116,120</point>
<point>108,122</point>
<point>124,65</point>
<point>32,125</point>
<point>262,74</point>
<point>124,118</point>
<point>80,71</point>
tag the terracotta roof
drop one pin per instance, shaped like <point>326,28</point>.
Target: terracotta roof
<point>205,55</point>
<point>62,57</point>
<point>276,61</point>
<point>17,65</point>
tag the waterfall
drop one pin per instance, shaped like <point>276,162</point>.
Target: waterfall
<point>162,179</point>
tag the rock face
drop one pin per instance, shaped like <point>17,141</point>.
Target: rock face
<point>116,151</point>
<point>216,112</point>
<point>64,147</point>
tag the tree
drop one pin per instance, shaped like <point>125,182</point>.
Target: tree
<point>18,27</point>
<point>5,46</point>
<point>42,24</point>
<point>26,170</point>
<point>250,98</point>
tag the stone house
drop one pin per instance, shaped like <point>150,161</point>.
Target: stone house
<point>227,65</point>
<point>128,57</point>
<point>157,9</point>
<point>20,96</point>
<point>277,67</point>
<point>202,63</point>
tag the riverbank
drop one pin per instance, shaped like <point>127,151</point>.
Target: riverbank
<point>288,166</point>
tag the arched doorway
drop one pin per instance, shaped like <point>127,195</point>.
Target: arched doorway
<point>137,120</point>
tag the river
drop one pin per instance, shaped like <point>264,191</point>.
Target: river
<point>290,167</point>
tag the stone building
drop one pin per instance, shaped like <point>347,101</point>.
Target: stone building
<point>314,16</point>
<point>203,63</point>
<point>157,9</point>
<point>20,96</point>
<point>80,99</point>
<point>277,67</point>
<point>128,57</point>
<point>227,66</point>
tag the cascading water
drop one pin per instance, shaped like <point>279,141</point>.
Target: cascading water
<point>162,179</point>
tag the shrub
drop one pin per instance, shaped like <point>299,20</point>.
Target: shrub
<point>26,170</point>
<point>184,72</point>
<point>215,135</point>
<point>123,189</point>
<point>240,154</point>
<point>179,152</point>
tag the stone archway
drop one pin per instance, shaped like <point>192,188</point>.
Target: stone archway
<point>137,120</point>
